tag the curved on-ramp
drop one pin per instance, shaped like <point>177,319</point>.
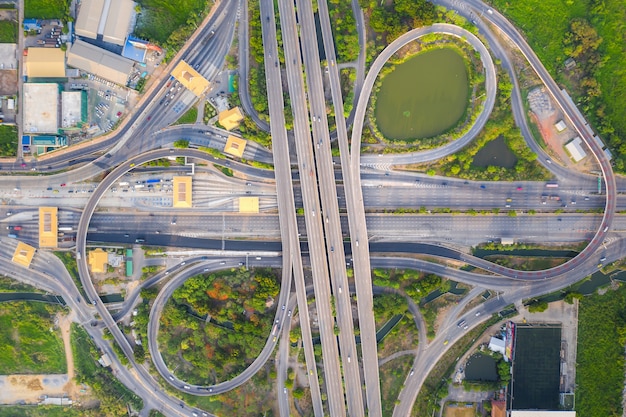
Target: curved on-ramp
<point>605,165</point>
<point>455,145</point>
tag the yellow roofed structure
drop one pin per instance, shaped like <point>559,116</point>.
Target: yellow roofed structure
<point>45,63</point>
<point>190,78</point>
<point>230,119</point>
<point>248,204</point>
<point>23,254</point>
<point>98,260</point>
<point>182,192</point>
<point>235,146</point>
<point>48,227</point>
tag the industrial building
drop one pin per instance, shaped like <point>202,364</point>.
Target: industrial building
<point>44,63</point>
<point>109,20</point>
<point>560,126</point>
<point>72,109</point>
<point>575,149</point>
<point>100,62</point>
<point>48,227</point>
<point>190,78</point>
<point>41,107</point>
<point>23,254</point>
<point>235,146</point>
<point>230,119</point>
<point>182,192</point>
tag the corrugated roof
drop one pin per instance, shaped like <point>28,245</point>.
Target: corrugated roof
<point>99,61</point>
<point>118,20</point>
<point>89,18</point>
<point>45,63</point>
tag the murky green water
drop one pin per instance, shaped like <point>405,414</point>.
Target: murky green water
<point>424,96</point>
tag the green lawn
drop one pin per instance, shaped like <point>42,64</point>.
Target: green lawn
<point>45,9</point>
<point>10,285</point>
<point>8,31</point>
<point>27,345</point>
<point>601,334</point>
<point>8,140</point>
<point>189,117</point>
<point>392,377</point>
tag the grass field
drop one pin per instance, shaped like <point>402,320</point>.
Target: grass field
<point>8,31</point>
<point>8,140</point>
<point>600,354</point>
<point>10,285</point>
<point>27,346</point>
<point>45,9</point>
<point>459,411</point>
<point>536,368</point>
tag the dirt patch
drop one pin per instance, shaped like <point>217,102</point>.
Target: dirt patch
<point>16,389</point>
<point>8,82</point>
<point>459,411</point>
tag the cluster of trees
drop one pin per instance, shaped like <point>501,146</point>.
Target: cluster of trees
<point>8,140</point>
<point>392,19</point>
<point>416,284</point>
<point>344,30</point>
<point>216,324</point>
<point>258,88</point>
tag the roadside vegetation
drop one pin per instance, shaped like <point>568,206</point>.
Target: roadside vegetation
<point>70,265</point>
<point>30,345</point>
<point>40,411</point>
<point>46,9</point>
<point>601,334</point>
<point>389,309</point>
<point>590,32</point>
<point>113,395</point>
<point>170,24</point>
<point>215,324</point>
<point>8,140</point>
<point>344,30</point>
<point>257,87</point>
<point>248,128</point>
<point>392,377</point>
<point>11,285</point>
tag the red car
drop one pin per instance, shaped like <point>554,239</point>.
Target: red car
<point>23,165</point>
<point>63,185</point>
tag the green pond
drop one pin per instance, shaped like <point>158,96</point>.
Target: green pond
<point>424,96</point>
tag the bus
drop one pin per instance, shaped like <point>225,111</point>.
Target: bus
<point>552,185</point>
<point>66,228</point>
<point>153,181</point>
<point>275,330</point>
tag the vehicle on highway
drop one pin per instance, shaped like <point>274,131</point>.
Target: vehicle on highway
<point>140,240</point>
<point>412,372</point>
<point>63,185</point>
<point>603,259</point>
<point>462,323</point>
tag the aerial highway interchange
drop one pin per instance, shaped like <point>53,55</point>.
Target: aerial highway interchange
<point>344,225</point>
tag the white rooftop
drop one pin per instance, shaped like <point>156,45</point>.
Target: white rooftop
<point>575,149</point>
<point>541,413</point>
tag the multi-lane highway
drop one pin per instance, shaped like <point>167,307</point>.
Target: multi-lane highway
<point>322,226</point>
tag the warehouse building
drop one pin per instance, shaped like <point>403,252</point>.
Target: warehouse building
<point>100,62</point>
<point>108,20</point>
<point>575,149</point>
<point>45,63</point>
